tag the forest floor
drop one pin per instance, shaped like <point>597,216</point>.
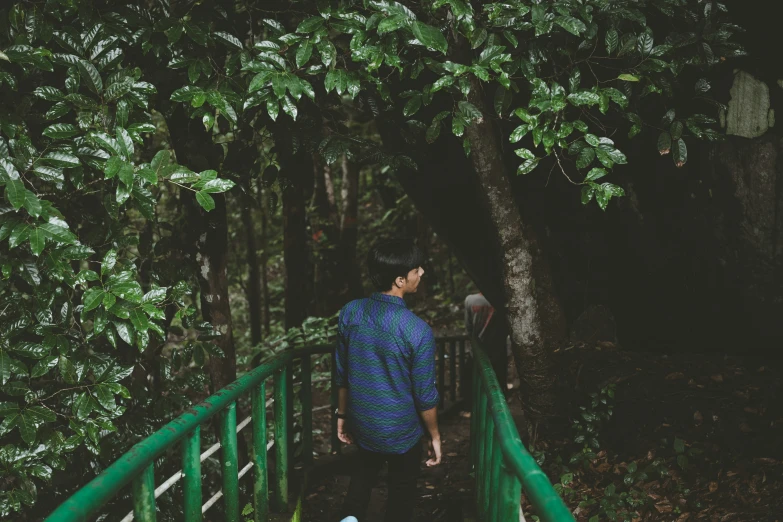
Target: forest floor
<point>669,438</point>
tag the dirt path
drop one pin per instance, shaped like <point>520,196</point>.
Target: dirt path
<point>444,493</point>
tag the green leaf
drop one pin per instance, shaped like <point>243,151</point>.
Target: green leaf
<point>528,166</point>
<point>585,158</point>
<point>289,107</point>
<point>128,290</point>
<point>644,44</point>
<point>680,153</point>
<point>310,25</point>
<point>611,41</point>
<point>664,143</point>
<point>61,159</point>
<point>156,295</point>
<point>228,39</point>
<point>60,131</point>
<point>37,241</point>
<point>160,161</point>
<point>218,185</point>
<point>19,234</point>
<point>112,166</point>
<point>109,300</point>
<point>525,153</point>
<point>5,367</point>
<point>58,233</point>
<point>89,73</point>
<point>126,143</point>
<point>43,366</point>
<point>205,200</point>
<point>126,174</point>
<point>31,350</point>
<point>49,94</point>
<point>676,129</point>
<point>92,298</point>
<point>519,133</point>
<point>108,262</point>
<point>584,98</point>
<point>328,52</point>
<point>139,320</point>
<point>185,94</point>
<point>571,24</point>
<point>303,53</point>
<point>595,174</point>
<point>433,131</point>
<point>469,111</point>
<point>412,106</point>
<point>15,193</point>
<point>628,78</point>
<point>430,37</point>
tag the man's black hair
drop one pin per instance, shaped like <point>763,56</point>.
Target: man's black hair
<point>391,259</point>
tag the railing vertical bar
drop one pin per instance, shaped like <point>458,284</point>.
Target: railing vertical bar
<point>191,473</point>
<point>228,447</point>
<point>510,492</point>
<point>462,368</point>
<point>289,414</point>
<point>261,483</point>
<point>474,433</point>
<point>281,439</point>
<point>489,448</point>
<point>494,480</point>
<point>481,405</point>
<point>453,369</point>
<point>335,398</point>
<point>306,396</point>
<point>144,495</point>
<point>441,371</point>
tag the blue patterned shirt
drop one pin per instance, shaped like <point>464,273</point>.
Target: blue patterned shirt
<point>386,358</point>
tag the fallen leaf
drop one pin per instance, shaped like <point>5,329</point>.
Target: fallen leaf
<point>698,418</point>
<point>750,409</point>
<point>713,487</point>
<point>664,507</point>
<point>731,473</point>
<point>430,487</point>
<point>765,460</point>
<point>674,376</point>
<point>744,428</point>
<point>683,517</point>
<point>717,377</point>
<point>603,467</point>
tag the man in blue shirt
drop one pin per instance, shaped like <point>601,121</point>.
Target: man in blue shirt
<point>385,362</point>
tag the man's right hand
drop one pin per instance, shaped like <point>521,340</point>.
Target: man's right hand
<point>433,451</point>
<point>342,432</point>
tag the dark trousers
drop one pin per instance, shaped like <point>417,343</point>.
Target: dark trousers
<point>402,474</point>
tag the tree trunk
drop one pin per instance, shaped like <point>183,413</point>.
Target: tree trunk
<point>208,234</point>
<point>264,257</point>
<point>349,229</point>
<point>535,318</point>
<point>296,169</point>
<point>254,274</point>
<point>325,226</point>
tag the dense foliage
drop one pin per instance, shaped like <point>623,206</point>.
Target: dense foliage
<point>94,274</point>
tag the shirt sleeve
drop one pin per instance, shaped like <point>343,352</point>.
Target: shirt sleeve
<point>425,393</point>
<point>341,356</point>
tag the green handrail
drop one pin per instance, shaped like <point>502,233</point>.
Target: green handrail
<point>501,462</point>
<point>137,465</point>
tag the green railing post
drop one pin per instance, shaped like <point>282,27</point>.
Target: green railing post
<point>486,464</point>
<point>496,460</point>
<point>191,475</point>
<point>144,495</point>
<point>453,370</point>
<point>482,444</point>
<point>306,397</point>
<point>474,425</point>
<point>510,493</point>
<point>335,396</point>
<point>261,484</point>
<point>281,439</point>
<point>228,446</point>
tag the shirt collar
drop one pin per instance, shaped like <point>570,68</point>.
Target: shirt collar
<point>388,299</point>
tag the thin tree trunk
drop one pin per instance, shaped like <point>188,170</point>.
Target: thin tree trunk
<point>535,318</point>
<point>297,169</point>
<point>265,258</point>
<point>325,227</point>
<point>208,233</point>
<point>349,228</point>
<point>254,274</point>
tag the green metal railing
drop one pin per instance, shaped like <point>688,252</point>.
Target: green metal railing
<point>137,466</point>
<point>501,463</point>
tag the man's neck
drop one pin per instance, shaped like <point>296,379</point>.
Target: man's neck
<point>396,292</point>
